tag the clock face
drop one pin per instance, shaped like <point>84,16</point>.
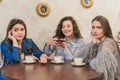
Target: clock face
<point>86,3</point>
<point>43,9</point>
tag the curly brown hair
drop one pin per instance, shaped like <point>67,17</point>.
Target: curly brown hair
<point>76,31</point>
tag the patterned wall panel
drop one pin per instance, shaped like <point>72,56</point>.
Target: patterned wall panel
<point>40,29</point>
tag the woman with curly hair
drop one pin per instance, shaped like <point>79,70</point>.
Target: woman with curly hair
<point>67,39</point>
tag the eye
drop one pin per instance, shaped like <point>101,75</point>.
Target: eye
<point>93,27</point>
<point>99,27</point>
<point>15,30</point>
<point>63,27</point>
<point>22,29</point>
<point>68,26</point>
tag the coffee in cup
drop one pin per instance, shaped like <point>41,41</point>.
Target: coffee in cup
<point>78,61</point>
<point>57,58</point>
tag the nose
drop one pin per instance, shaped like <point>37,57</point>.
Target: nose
<point>20,32</point>
<point>95,30</point>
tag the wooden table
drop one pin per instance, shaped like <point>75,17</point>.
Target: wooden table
<point>49,71</point>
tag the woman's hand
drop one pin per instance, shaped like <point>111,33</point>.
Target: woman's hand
<point>52,42</point>
<point>11,37</point>
<point>57,42</point>
<point>62,45</point>
<point>43,58</point>
<point>95,40</point>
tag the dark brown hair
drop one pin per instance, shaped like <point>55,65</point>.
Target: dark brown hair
<point>76,31</point>
<point>11,24</point>
<point>105,25</point>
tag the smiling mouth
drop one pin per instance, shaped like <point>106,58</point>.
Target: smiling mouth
<point>67,32</point>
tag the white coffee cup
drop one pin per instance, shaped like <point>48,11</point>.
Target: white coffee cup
<point>29,58</point>
<point>57,58</point>
<point>78,61</point>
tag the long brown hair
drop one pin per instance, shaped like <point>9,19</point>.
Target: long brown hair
<point>76,31</point>
<point>11,24</point>
<point>106,27</point>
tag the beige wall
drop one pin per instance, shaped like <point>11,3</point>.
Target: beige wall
<point>41,28</point>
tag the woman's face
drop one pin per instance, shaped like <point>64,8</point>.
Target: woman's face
<point>18,31</point>
<point>97,30</point>
<point>67,28</point>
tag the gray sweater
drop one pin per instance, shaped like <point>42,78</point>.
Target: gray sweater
<point>103,57</point>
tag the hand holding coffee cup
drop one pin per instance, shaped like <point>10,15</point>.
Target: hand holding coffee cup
<point>78,61</point>
<point>57,59</point>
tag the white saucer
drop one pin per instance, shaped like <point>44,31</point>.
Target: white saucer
<point>77,64</point>
<point>57,62</point>
<point>24,61</point>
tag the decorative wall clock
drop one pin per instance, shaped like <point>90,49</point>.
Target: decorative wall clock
<point>43,9</point>
<point>87,3</point>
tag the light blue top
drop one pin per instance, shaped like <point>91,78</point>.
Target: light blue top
<point>70,52</point>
